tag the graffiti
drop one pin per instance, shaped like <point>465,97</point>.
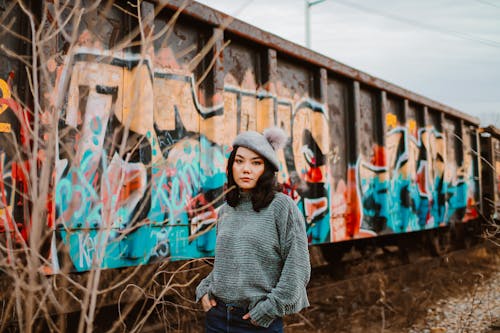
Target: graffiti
<point>181,186</point>
<point>127,176</point>
<point>101,182</point>
<point>13,170</point>
<point>140,163</point>
<point>309,173</point>
<point>5,90</point>
<point>157,190</point>
<point>409,191</point>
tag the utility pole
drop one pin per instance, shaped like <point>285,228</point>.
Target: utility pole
<point>309,4</point>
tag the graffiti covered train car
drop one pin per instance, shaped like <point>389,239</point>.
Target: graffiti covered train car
<point>142,103</point>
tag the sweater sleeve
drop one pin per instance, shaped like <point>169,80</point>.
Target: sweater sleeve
<point>289,294</point>
<point>203,287</point>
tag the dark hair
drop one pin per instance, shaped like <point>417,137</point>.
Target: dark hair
<point>263,192</point>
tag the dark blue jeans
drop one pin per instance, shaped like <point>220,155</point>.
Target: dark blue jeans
<point>224,318</point>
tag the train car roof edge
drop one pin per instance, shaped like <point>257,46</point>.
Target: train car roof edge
<point>245,30</point>
<point>491,130</point>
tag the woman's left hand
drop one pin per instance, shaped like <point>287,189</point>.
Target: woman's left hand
<point>247,316</point>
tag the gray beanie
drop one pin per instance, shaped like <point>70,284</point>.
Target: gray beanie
<point>265,144</point>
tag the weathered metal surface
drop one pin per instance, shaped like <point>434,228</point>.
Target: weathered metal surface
<point>490,172</point>
<point>496,166</point>
<point>266,39</point>
<point>13,121</point>
<point>145,130</point>
<point>338,108</point>
<point>369,114</point>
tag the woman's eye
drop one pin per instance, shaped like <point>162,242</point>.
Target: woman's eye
<point>257,163</point>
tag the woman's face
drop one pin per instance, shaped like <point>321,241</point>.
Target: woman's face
<point>248,166</point>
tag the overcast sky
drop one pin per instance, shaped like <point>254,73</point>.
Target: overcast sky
<point>447,50</point>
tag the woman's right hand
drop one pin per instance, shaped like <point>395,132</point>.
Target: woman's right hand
<point>207,303</point>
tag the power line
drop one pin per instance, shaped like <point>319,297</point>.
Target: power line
<point>488,3</point>
<point>426,26</point>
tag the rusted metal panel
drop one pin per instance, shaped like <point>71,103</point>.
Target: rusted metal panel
<point>383,116</point>
<point>322,94</point>
<point>181,46</point>
<point>301,115</point>
<point>369,123</point>
<point>493,168</point>
<point>414,118</point>
<point>371,166</point>
<point>241,66</point>
<point>338,109</point>
<point>477,162</point>
<point>490,173</point>
<point>293,79</point>
<point>395,115</point>
<point>471,167</point>
<point>496,173</point>
<point>459,174</point>
<point>354,129</point>
<point>218,70</point>
<point>241,82</point>
<point>435,119</point>
<point>451,130</point>
<point>237,27</point>
<point>487,176</point>
<point>14,131</point>
<point>359,161</point>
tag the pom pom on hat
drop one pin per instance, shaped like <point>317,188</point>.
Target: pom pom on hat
<point>266,144</point>
<point>276,137</point>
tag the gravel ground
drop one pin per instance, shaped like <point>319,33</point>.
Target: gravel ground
<point>456,293</point>
<point>477,310</point>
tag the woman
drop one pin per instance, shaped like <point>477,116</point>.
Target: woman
<point>261,265</point>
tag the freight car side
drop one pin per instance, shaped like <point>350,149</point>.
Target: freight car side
<point>490,173</point>
<point>143,132</point>
<point>14,118</point>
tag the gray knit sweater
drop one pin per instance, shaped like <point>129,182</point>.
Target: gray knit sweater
<point>261,259</point>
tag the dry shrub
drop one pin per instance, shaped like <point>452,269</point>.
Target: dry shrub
<point>40,289</point>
